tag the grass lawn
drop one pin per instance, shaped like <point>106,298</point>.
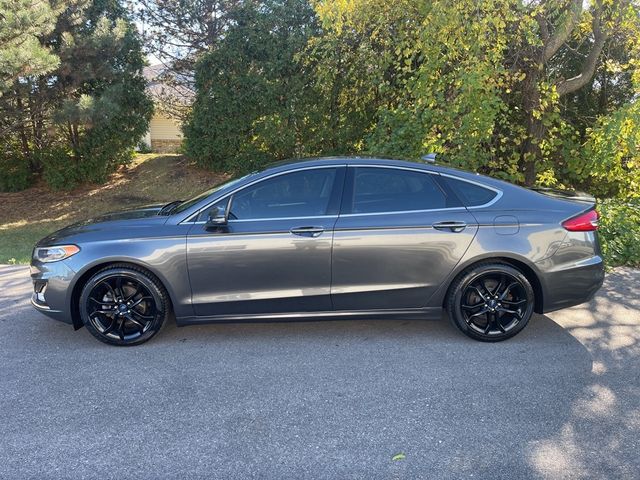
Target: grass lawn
<point>27,216</point>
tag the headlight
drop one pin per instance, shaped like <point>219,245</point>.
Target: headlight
<point>55,253</point>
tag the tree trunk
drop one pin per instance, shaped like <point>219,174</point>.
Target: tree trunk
<point>530,152</point>
<point>24,139</point>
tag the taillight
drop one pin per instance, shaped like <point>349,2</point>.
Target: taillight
<point>585,222</point>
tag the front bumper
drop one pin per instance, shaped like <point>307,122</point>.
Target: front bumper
<point>55,314</point>
<point>52,292</point>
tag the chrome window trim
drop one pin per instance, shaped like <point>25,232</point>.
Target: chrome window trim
<point>392,167</point>
<point>498,196</point>
<point>277,174</point>
<point>244,220</point>
<point>498,192</point>
<point>396,212</point>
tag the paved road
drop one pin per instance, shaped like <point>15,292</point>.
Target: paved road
<point>324,400</point>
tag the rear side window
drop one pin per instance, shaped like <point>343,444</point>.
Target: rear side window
<point>380,190</point>
<point>472,195</point>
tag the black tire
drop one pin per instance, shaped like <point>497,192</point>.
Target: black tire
<point>124,305</point>
<point>490,301</point>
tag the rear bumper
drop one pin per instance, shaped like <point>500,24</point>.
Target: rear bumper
<point>572,285</point>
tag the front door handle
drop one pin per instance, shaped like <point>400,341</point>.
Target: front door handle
<point>452,226</point>
<point>307,231</point>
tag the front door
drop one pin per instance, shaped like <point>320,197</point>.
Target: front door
<point>274,256</point>
<point>397,239</point>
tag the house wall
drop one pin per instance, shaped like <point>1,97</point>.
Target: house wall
<point>164,134</point>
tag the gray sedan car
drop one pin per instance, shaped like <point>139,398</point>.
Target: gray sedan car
<point>326,238</point>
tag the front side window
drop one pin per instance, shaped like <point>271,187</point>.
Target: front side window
<point>380,190</point>
<point>305,193</point>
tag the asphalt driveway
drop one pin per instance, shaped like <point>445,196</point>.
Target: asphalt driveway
<point>335,399</point>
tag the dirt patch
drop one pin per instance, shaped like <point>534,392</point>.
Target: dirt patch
<point>150,178</point>
<point>29,215</point>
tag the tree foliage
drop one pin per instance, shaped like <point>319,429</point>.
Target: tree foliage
<point>497,87</point>
<point>22,22</point>
<point>534,92</point>
<point>81,117</point>
<point>253,100</point>
<point>178,33</point>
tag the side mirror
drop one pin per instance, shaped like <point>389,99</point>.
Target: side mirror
<point>217,218</point>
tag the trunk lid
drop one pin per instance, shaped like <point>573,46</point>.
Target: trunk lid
<point>580,197</point>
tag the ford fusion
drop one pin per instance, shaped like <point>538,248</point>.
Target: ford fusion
<point>326,238</point>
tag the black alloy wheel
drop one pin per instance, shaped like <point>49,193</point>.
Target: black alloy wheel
<point>491,302</point>
<point>123,305</point>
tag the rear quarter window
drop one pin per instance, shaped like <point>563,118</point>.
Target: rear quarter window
<point>472,195</point>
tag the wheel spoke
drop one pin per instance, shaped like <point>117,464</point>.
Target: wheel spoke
<point>110,327</point>
<point>499,287</point>
<point>98,323</point>
<point>121,328</point>
<point>144,317</point>
<point>471,307</point>
<point>104,304</point>
<point>480,313</point>
<point>490,320</point>
<point>137,323</point>
<point>111,290</point>
<point>137,302</point>
<point>480,294</point>
<point>508,289</point>
<point>519,302</point>
<point>487,292</point>
<point>102,312</point>
<point>137,291</point>
<point>118,288</point>
<point>511,312</point>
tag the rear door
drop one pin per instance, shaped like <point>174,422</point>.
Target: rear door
<point>397,238</point>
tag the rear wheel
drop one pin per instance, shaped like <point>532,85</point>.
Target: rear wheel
<point>491,302</point>
<point>123,305</point>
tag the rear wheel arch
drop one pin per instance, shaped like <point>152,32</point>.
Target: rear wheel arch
<point>91,271</point>
<point>527,270</point>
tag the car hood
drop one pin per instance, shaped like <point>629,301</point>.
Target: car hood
<point>144,211</point>
<point>114,222</point>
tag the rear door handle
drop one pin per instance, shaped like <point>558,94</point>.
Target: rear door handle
<point>452,226</point>
<point>307,231</point>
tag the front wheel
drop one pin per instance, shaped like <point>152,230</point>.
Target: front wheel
<point>491,302</point>
<point>123,305</point>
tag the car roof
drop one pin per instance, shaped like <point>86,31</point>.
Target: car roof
<point>346,160</point>
<point>366,160</point>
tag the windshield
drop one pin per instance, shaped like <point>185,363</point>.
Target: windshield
<point>189,203</point>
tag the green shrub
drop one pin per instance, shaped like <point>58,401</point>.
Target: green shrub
<point>59,169</point>
<point>142,147</point>
<point>14,173</point>
<point>620,232</point>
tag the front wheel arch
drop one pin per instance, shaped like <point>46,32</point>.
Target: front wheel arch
<point>86,275</point>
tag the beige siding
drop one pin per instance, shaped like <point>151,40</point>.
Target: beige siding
<point>163,128</point>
